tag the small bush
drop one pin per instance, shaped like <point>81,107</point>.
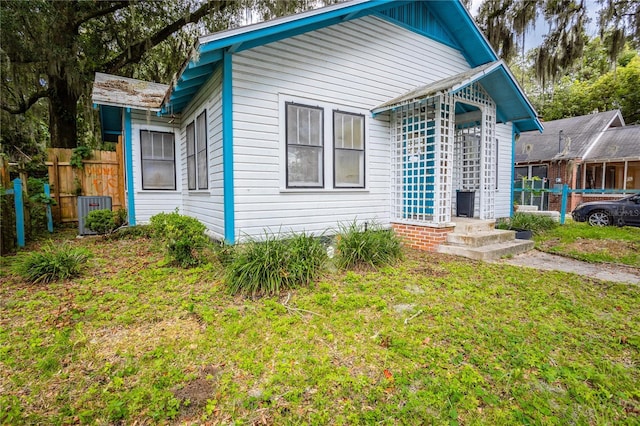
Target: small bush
<point>374,246</point>
<point>527,221</point>
<point>51,263</point>
<point>105,221</point>
<point>184,237</point>
<point>270,266</point>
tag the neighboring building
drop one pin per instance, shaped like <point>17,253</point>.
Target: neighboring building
<point>595,151</point>
<point>364,110</point>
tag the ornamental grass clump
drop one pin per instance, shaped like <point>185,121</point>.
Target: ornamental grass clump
<point>51,263</point>
<point>370,246</point>
<point>184,237</point>
<point>267,267</point>
<point>527,221</point>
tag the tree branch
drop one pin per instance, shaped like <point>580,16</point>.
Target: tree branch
<point>134,52</point>
<point>25,104</point>
<point>100,12</point>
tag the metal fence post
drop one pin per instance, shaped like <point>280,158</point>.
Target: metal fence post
<point>563,205</point>
<point>47,192</point>
<point>17,199</point>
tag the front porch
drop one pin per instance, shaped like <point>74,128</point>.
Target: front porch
<point>445,144</point>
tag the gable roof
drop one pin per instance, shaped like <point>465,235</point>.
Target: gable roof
<point>446,21</point>
<point>496,79</point>
<point>579,135</point>
<point>617,143</point>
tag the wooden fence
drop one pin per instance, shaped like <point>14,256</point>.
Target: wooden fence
<point>101,174</point>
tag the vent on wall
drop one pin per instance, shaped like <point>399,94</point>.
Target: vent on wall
<point>88,204</point>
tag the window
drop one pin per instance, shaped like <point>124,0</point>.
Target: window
<point>348,146</point>
<point>305,147</point>
<point>158,160</point>
<point>197,177</point>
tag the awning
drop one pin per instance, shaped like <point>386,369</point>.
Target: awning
<point>512,104</point>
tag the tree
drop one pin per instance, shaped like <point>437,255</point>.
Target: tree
<point>51,49</point>
<point>505,22</point>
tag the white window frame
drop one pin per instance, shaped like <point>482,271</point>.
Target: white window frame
<point>363,150</point>
<point>328,150</point>
<point>293,141</point>
<point>142,158</point>
<point>197,148</point>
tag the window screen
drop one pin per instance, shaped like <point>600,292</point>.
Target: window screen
<point>348,144</point>
<point>158,160</point>
<point>304,146</point>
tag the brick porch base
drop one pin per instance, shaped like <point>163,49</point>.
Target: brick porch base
<point>424,238</point>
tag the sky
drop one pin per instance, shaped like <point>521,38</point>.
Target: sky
<point>534,37</point>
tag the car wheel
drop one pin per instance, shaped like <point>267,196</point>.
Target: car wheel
<point>599,218</point>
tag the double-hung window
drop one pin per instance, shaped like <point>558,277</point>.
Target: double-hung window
<point>348,150</point>
<point>305,146</point>
<point>197,177</point>
<point>158,160</point>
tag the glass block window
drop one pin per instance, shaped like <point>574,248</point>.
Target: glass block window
<point>158,160</point>
<point>305,146</point>
<point>348,154</point>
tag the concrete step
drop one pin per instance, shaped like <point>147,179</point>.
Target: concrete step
<point>468,226</point>
<point>488,252</point>
<point>480,238</point>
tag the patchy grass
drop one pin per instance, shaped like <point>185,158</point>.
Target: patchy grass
<point>432,340</point>
<point>595,244</point>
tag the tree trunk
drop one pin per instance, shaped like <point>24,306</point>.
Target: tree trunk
<point>63,109</point>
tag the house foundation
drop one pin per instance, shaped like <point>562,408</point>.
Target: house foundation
<point>420,237</point>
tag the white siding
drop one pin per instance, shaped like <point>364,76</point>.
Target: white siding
<point>206,205</point>
<point>149,203</point>
<point>353,66</point>
<point>505,166</point>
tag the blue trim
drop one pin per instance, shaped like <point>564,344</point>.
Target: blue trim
<point>18,202</point>
<point>227,147</point>
<point>128,153</point>
<point>47,192</point>
<point>513,165</point>
<point>418,31</point>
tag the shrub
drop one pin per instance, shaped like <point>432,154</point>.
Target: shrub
<point>272,265</point>
<point>374,246</point>
<point>184,237</point>
<point>105,221</point>
<point>527,221</point>
<point>51,263</point>
<point>132,232</point>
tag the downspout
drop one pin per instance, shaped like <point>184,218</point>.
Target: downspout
<point>128,153</point>
<point>227,147</point>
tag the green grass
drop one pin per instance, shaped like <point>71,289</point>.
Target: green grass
<point>595,244</point>
<point>432,340</point>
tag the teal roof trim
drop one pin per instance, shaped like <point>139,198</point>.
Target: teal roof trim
<point>417,17</point>
<point>511,103</point>
<point>110,122</point>
<point>443,20</point>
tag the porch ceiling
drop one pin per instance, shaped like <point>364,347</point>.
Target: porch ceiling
<point>511,102</point>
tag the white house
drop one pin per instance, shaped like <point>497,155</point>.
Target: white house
<point>364,110</point>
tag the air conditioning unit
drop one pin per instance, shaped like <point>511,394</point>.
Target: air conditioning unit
<point>87,204</point>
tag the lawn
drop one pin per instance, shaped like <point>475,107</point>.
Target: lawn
<point>595,244</point>
<point>431,340</point>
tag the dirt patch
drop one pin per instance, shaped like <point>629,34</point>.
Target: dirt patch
<point>549,262</point>
<point>616,248</point>
<point>195,393</point>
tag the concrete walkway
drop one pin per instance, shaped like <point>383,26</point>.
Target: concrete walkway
<point>550,262</point>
